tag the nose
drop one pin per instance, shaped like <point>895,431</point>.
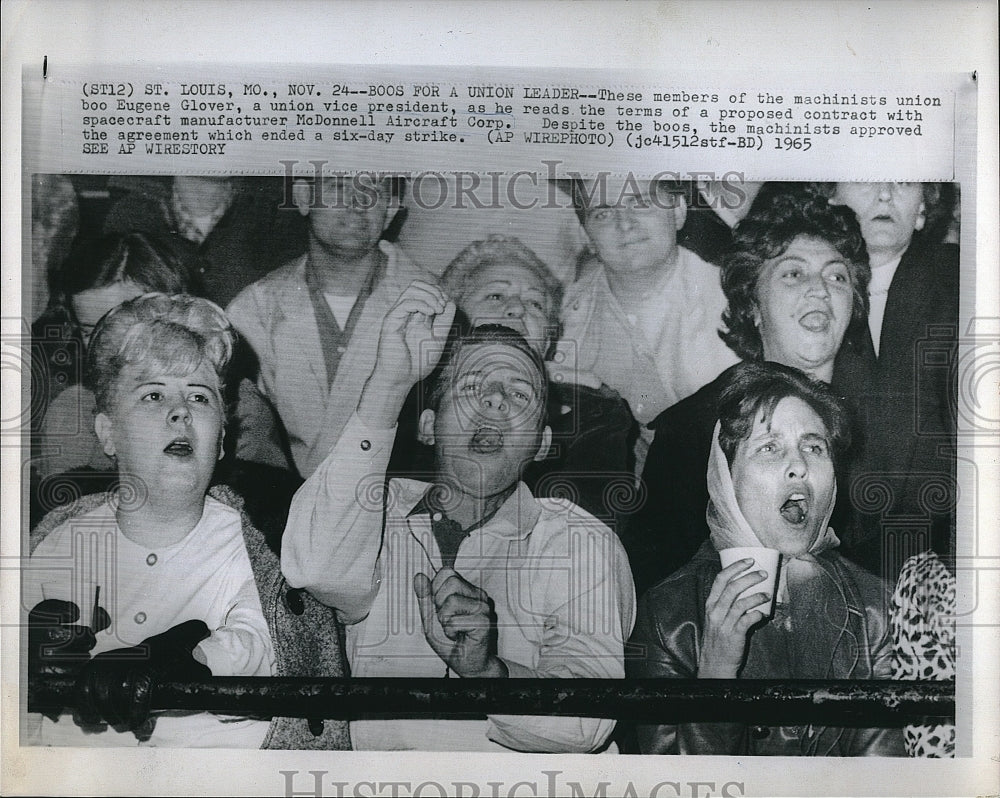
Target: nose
<point>179,413</point>
<point>818,286</point>
<point>494,400</point>
<point>514,308</point>
<point>624,219</point>
<point>796,468</point>
<point>884,191</point>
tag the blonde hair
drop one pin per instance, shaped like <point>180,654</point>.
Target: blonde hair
<point>159,333</point>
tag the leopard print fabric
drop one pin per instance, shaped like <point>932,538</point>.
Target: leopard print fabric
<point>922,624</point>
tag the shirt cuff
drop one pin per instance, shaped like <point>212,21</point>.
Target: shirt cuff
<point>359,438</point>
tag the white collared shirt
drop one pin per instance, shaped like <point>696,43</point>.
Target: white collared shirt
<point>559,579</point>
<point>878,296</point>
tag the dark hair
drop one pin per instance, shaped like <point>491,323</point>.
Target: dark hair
<point>461,273</point>
<point>752,388</point>
<point>156,262</point>
<point>582,197</point>
<point>440,381</point>
<point>767,231</point>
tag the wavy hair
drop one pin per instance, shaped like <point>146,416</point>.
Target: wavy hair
<point>160,334</point>
<point>765,234</point>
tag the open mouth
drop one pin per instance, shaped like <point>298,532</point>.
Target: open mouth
<point>795,510</point>
<point>816,321</point>
<point>486,440</point>
<point>512,322</point>
<point>179,447</point>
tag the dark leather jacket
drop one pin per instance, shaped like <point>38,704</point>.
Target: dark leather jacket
<point>855,645</point>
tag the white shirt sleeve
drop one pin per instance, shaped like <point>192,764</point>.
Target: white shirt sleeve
<point>333,537</point>
<point>242,645</point>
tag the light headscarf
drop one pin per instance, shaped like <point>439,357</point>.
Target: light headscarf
<point>730,529</point>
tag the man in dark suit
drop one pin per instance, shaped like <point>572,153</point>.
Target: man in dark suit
<point>903,487</point>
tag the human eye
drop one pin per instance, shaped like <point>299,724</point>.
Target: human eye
<point>600,215</point>
<point>816,447</point>
<point>201,398</point>
<point>769,447</point>
<point>152,396</point>
<point>838,275</point>
<point>495,296</point>
<point>537,304</point>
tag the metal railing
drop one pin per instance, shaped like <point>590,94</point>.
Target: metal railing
<point>875,702</point>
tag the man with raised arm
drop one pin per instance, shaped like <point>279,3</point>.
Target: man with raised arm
<point>469,574</point>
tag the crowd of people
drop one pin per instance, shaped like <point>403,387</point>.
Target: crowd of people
<point>306,427</point>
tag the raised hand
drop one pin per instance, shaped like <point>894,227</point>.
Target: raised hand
<point>458,623</point>
<point>411,341</point>
<point>728,620</point>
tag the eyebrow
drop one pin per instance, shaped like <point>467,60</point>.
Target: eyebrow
<point>801,259</point>
<point>513,380</point>
<point>529,387</point>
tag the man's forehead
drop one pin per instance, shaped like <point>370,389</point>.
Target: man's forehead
<point>496,358</point>
<point>361,182</point>
<point>506,272</point>
<point>609,189</point>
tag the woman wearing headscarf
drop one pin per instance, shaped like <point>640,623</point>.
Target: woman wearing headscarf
<point>771,484</point>
<point>796,287</point>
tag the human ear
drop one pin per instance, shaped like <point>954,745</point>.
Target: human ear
<point>425,427</point>
<point>545,445</point>
<point>680,212</point>
<point>302,196</point>
<point>918,225</point>
<point>104,428</point>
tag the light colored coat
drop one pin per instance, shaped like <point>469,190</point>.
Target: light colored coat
<point>276,317</point>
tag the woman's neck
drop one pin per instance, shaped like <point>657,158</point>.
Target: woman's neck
<point>822,373</point>
<point>156,524</point>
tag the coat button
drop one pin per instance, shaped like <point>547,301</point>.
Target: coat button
<point>760,732</point>
<point>140,617</point>
<point>151,559</point>
<point>366,445</point>
<point>294,601</point>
